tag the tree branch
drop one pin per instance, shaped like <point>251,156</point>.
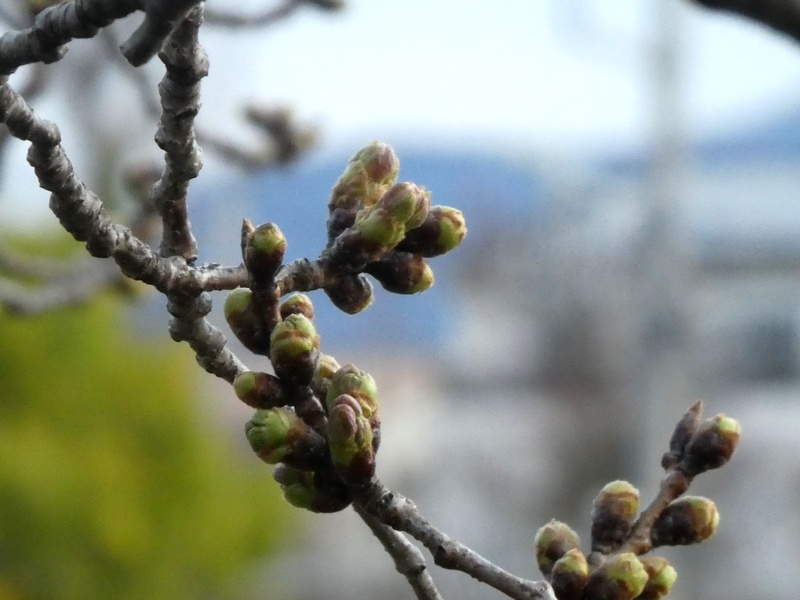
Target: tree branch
<point>780,15</point>
<point>408,560</point>
<point>400,513</point>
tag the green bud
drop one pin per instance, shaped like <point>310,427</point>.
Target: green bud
<point>381,165</point>
<point>297,304</point>
<point>687,520</point>
<point>553,541</point>
<point>263,249</point>
<point>350,440</point>
<point>259,390</point>
<point>621,577</point>
<point>712,445</point>
<point>613,512</point>
<point>326,367</point>
<point>683,432</point>
<point>247,326</point>
<point>569,575</point>
<point>406,203</point>
<point>353,382</point>
<point>350,293</point>
<point>279,435</point>
<point>444,229</point>
<point>320,492</point>
<point>402,273</point>
<point>294,350</point>
<point>662,577</point>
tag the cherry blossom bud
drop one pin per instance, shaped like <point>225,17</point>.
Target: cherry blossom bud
<point>569,575</point>
<point>621,577</point>
<point>279,435</point>
<point>246,324</point>
<point>263,249</point>
<point>712,445</point>
<point>294,350</point>
<point>662,577</point>
<point>326,367</point>
<point>317,491</point>
<point>361,386</point>
<point>350,440</point>
<point>613,512</point>
<point>553,541</point>
<point>687,520</point>
<point>350,293</point>
<point>402,273</point>
<point>444,229</point>
<point>259,390</point>
<point>297,304</point>
<point>683,432</point>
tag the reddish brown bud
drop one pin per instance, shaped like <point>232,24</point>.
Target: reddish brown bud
<point>350,293</point>
<point>683,432</point>
<point>687,520</point>
<point>712,445</point>
<point>259,390</point>
<point>297,304</point>
<point>569,575</point>
<point>613,512</point>
<point>553,541</point>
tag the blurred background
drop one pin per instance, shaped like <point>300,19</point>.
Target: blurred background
<point>629,174</point>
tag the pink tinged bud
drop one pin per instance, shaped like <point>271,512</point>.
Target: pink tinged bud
<point>553,541</point>
<point>687,520</point>
<point>294,350</point>
<point>259,390</point>
<point>407,204</point>
<point>297,304</point>
<point>662,577</point>
<point>621,577</point>
<point>366,178</point>
<point>683,432</point>
<point>613,513</point>
<point>263,249</point>
<point>350,440</point>
<point>569,575</point>
<point>379,162</point>
<point>402,273</point>
<point>361,386</point>
<point>246,324</point>
<point>350,293</point>
<point>712,445</point>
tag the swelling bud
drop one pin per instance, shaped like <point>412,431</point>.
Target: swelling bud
<point>244,321</point>
<point>317,491</point>
<point>294,350</point>
<point>712,445</point>
<point>350,440</point>
<point>662,577</point>
<point>613,512</point>
<point>621,577</point>
<point>687,520</point>
<point>444,229</point>
<point>259,390</point>
<point>569,575</point>
<point>402,273</point>
<point>279,435</point>
<point>552,541</point>
<point>263,249</point>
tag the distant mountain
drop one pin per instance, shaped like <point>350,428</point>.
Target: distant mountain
<point>296,199</point>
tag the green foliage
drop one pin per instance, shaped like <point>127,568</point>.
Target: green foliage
<point>112,485</point>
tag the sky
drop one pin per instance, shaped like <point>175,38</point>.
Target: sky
<point>570,77</point>
<point>561,73</point>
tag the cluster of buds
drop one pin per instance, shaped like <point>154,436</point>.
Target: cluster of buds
<point>383,228</point>
<point>615,568</point>
<point>318,422</point>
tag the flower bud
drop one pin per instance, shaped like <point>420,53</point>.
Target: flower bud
<point>662,577</point>
<point>613,512</point>
<point>279,435</point>
<point>712,445</point>
<point>350,440</point>
<point>361,386</point>
<point>259,390</point>
<point>326,367</point>
<point>350,293</point>
<point>320,492</point>
<point>246,324</point>
<point>368,175</point>
<point>553,541</point>
<point>621,577</point>
<point>406,203</point>
<point>263,249</point>
<point>569,575</point>
<point>683,432</point>
<point>294,350</point>
<point>297,304</point>
<point>444,229</point>
<point>687,520</point>
<point>402,273</point>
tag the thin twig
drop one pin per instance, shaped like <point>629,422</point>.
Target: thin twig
<point>408,560</point>
<point>400,513</point>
